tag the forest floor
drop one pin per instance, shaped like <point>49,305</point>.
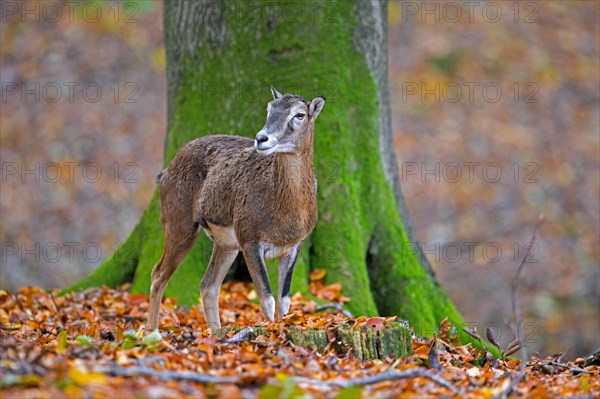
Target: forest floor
<point>93,344</point>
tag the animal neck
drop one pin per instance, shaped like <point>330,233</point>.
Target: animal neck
<point>294,170</point>
<point>295,180</point>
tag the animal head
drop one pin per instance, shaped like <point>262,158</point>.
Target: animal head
<point>289,125</point>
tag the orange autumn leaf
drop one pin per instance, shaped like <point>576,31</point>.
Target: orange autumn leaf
<point>376,322</point>
<point>317,274</point>
<point>422,352</point>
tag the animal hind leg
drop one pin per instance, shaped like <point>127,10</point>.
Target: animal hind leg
<point>210,287</point>
<point>173,254</point>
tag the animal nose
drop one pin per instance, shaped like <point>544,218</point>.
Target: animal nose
<point>261,138</point>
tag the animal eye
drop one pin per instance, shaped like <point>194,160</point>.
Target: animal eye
<point>299,116</point>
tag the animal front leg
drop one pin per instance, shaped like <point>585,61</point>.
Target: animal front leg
<point>255,260</point>
<point>286,269</point>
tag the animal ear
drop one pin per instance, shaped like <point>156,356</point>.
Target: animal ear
<point>275,93</point>
<point>316,106</point>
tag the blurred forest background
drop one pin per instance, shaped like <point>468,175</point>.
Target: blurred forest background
<point>80,150</point>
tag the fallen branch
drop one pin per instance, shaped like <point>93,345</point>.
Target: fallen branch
<point>164,375</point>
<point>561,365</point>
<point>168,375</point>
<point>517,314</point>
<point>388,375</point>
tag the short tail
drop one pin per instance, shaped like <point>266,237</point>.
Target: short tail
<point>160,176</point>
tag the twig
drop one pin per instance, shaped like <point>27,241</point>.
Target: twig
<point>388,375</point>
<point>478,338</point>
<point>472,333</point>
<point>561,365</point>
<point>53,301</point>
<point>511,349</point>
<point>517,314</point>
<point>336,306</point>
<point>164,375</point>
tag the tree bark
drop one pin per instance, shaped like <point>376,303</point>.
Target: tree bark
<point>221,58</point>
<point>391,339</point>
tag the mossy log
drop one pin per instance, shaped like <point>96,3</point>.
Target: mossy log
<point>392,339</point>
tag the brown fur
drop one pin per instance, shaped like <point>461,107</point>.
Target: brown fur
<point>227,182</point>
<point>224,181</point>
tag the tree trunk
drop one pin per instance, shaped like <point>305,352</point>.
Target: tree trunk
<point>391,339</point>
<point>221,59</point>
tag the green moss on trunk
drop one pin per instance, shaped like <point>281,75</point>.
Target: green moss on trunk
<point>392,339</point>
